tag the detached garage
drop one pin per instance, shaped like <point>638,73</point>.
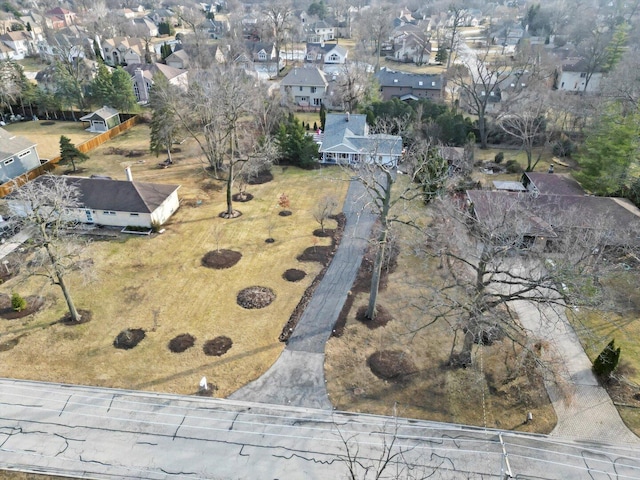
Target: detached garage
<point>102,120</point>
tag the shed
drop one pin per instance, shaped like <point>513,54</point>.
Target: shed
<point>102,120</point>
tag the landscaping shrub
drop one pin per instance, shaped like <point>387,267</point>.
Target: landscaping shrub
<point>564,148</point>
<point>499,157</point>
<point>513,166</point>
<point>607,361</point>
<point>17,302</point>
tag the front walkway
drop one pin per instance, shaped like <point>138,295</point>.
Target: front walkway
<point>584,409</point>
<point>297,377</point>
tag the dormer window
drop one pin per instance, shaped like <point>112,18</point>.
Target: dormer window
<point>433,84</point>
<point>420,82</point>
<point>395,80</point>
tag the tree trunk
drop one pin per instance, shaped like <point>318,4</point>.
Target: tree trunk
<point>382,242</point>
<point>376,274</point>
<point>229,187</point>
<point>75,316</point>
<point>482,129</point>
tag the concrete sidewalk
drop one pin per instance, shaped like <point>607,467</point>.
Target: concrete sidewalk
<point>297,377</point>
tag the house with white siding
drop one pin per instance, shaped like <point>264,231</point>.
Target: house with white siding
<point>116,203</point>
<point>18,155</point>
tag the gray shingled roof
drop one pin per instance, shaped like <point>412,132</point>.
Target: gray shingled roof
<point>11,144</point>
<point>305,77</point>
<point>104,113</point>
<point>349,136</point>
<point>391,78</point>
<point>119,195</point>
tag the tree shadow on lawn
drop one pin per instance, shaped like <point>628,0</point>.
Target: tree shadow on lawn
<point>199,368</point>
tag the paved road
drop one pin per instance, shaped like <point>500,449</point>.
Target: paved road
<point>106,433</point>
<point>297,377</point>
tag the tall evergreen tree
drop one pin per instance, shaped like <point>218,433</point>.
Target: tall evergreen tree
<point>296,147</point>
<point>607,361</point>
<point>124,100</point>
<point>102,90</point>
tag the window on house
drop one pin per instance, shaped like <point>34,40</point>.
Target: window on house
<point>134,214</point>
<point>8,162</point>
<point>583,75</point>
<point>317,102</point>
<point>24,154</point>
<point>395,80</point>
<point>136,91</point>
<point>319,56</point>
<point>333,57</point>
<point>433,84</point>
<point>313,89</point>
<point>301,88</point>
<point>420,83</point>
<point>109,212</point>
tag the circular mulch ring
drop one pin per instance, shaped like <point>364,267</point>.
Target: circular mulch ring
<point>34,304</point>
<point>270,240</point>
<point>320,254</point>
<point>181,343</point>
<point>85,316</point>
<point>242,197</point>
<point>294,275</point>
<point>225,214</point>
<point>220,259</point>
<point>255,297</point>
<point>129,338</point>
<point>262,177</point>
<point>47,123</point>
<point>323,234</point>
<point>218,346</point>
<point>381,319</point>
<point>394,365</point>
<point>285,213</point>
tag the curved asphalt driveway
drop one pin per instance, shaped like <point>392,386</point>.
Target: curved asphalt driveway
<point>297,377</point>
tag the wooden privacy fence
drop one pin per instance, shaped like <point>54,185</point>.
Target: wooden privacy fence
<point>84,147</point>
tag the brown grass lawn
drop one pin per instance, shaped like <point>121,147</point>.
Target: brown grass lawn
<point>481,395</point>
<point>9,475</point>
<point>159,285</point>
<point>48,136</point>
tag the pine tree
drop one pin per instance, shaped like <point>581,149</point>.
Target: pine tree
<point>123,99</point>
<point>164,128</point>
<point>323,116</point>
<point>102,90</point>
<point>607,361</point>
<point>69,153</point>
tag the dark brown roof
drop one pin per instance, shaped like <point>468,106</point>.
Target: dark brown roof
<point>119,195</point>
<point>554,184</point>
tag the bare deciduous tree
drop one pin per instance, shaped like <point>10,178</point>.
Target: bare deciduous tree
<point>43,206</point>
<point>505,247</point>
<point>278,16</point>
<point>324,209</point>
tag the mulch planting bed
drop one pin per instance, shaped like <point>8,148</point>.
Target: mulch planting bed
<point>255,297</point>
<point>129,338</point>
<point>391,365</point>
<point>34,304</point>
<point>85,316</point>
<point>217,346</point>
<point>294,275</point>
<point>285,213</point>
<point>263,177</point>
<point>181,343</point>
<point>321,254</point>
<point>381,319</point>
<point>241,197</point>
<point>327,232</point>
<point>220,259</point>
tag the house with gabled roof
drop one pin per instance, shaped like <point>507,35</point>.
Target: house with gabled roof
<point>117,203</point>
<point>550,204</point>
<point>410,86</point>
<point>18,155</point>
<point>124,50</point>
<point>574,74</point>
<point>142,78</point>
<point>305,87</point>
<point>346,141</point>
<point>59,17</point>
<point>21,43</point>
<point>329,53</point>
<point>319,32</point>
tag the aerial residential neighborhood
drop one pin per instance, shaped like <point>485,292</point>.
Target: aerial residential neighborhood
<point>319,239</point>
